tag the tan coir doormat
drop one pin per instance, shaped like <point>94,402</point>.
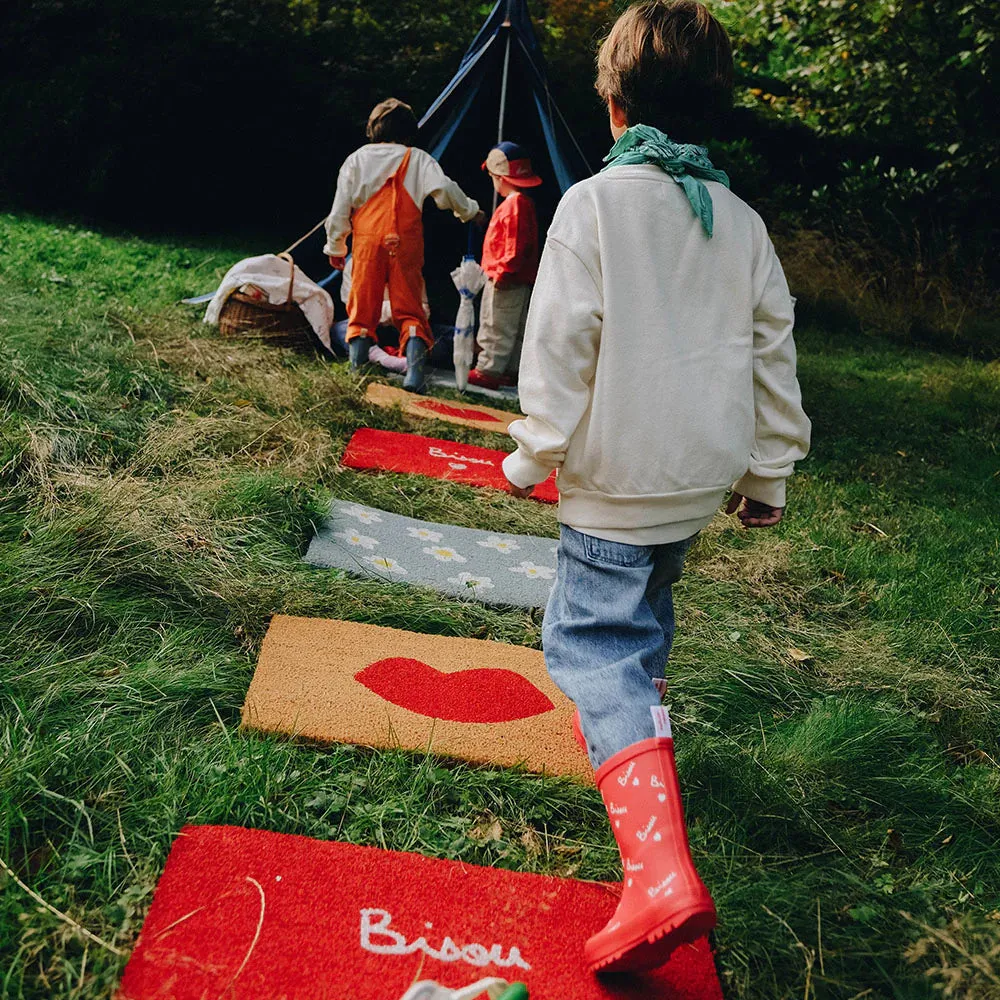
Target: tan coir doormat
<point>341,682</point>
<point>483,418</point>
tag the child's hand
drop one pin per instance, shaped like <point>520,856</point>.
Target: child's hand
<point>522,493</point>
<point>753,513</point>
<point>337,263</point>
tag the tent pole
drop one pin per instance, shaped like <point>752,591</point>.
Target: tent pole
<point>503,100</point>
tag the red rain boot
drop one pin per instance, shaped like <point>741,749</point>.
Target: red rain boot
<point>664,903</point>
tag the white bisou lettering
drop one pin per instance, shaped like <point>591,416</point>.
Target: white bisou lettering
<point>644,833</point>
<point>655,890</point>
<point>380,939</point>
<point>436,452</point>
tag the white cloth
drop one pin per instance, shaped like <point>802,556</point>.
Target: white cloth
<point>270,273</point>
<point>365,172</point>
<point>658,364</point>
<point>427,990</point>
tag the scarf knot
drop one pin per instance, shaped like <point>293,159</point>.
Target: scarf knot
<point>687,164</point>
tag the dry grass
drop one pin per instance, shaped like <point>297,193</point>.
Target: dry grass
<point>914,297</point>
<point>963,958</point>
<point>159,486</point>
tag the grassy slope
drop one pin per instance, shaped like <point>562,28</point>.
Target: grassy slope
<point>157,488</point>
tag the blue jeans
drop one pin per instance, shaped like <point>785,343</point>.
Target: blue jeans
<point>608,628</point>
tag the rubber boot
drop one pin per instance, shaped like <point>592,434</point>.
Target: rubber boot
<point>664,903</point>
<point>357,350</point>
<point>416,365</point>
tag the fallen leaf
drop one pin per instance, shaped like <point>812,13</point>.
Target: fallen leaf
<point>485,832</point>
<point>531,843</point>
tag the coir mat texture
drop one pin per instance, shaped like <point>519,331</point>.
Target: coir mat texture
<point>483,418</point>
<point>485,702</point>
<point>390,451</point>
<point>251,915</point>
<point>485,566</point>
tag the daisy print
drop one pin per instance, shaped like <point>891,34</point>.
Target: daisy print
<point>471,581</point>
<point>356,538</point>
<point>424,534</point>
<point>504,545</point>
<point>533,572</point>
<point>387,565</point>
<point>444,554</point>
<point>362,514</point>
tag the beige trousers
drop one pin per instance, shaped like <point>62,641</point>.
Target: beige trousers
<point>502,316</point>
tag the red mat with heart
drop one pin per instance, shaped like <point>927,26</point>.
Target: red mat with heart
<point>252,915</point>
<point>390,451</point>
<point>483,418</point>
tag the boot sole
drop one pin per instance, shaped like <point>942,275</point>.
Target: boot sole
<point>650,949</point>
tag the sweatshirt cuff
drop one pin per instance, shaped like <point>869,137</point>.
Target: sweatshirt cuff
<point>769,491</point>
<point>471,212</point>
<point>337,249</point>
<point>523,471</point>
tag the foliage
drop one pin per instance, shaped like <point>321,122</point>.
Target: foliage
<point>910,85</point>
<point>872,120</point>
<point>158,485</point>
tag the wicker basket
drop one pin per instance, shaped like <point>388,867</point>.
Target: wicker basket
<point>282,325</point>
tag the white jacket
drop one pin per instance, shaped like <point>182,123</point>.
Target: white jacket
<point>658,366</point>
<point>364,174</point>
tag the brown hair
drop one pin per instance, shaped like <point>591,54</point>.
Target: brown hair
<point>669,65</point>
<point>392,121</point>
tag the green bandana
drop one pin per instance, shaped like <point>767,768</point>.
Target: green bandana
<point>687,164</point>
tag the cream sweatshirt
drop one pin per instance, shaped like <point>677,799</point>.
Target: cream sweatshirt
<point>658,367</point>
<point>365,172</point>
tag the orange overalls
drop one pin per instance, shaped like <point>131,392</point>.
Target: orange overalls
<point>388,250</point>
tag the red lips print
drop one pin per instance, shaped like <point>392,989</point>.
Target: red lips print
<point>462,413</point>
<point>479,695</point>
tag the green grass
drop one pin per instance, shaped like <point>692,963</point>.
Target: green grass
<point>158,487</point>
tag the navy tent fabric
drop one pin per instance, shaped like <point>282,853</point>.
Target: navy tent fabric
<point>465,120</point>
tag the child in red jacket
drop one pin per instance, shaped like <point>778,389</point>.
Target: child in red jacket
<point>510,262</point>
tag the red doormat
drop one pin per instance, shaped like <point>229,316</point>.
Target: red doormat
<point>251,915</point>
<point>390,451</point>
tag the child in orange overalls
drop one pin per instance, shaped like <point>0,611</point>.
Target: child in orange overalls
<point>381,189</point>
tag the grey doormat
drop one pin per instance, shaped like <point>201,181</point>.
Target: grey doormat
<point>485,566</point>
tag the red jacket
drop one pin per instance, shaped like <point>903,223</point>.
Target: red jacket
<point>510,249</point>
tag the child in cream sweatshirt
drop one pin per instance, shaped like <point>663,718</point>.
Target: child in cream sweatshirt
<point>658,374</point>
